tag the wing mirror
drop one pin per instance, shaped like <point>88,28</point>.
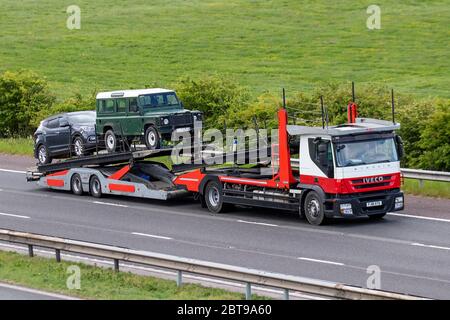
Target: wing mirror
<point>400,148</point>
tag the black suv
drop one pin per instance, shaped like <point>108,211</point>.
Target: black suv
<point>64,134</point>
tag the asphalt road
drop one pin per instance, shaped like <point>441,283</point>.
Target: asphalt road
<point>413,253</point>
<point>11,292</point>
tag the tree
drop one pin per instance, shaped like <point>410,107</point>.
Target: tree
<point>22,96</point>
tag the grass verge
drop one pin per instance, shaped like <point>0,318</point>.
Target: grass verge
<point>19,146</point>
<point>100,283</point>
<point>429,188</point>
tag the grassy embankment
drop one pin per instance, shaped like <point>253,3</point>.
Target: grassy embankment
<point>266,45</point>
<point>99,283</point>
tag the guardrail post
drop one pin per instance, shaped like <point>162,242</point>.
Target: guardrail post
<point>116,265</point>
<point>58,255</point>
<point>248,291</point>
<point>179,278</point>
<point>286,294</point>
<point>420,183</point>
<point>30,251</point>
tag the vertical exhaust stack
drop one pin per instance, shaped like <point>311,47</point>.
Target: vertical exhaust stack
<point>352,108</point>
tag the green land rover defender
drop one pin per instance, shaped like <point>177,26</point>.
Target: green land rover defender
<point>150,115</point>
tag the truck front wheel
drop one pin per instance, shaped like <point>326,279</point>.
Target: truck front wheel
<point>314,209</point>
<point>213,197</point>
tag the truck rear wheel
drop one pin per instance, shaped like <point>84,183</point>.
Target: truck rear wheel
<point>75,184</point>
<point>213,197</point>
<point>314,209</point>
<point>95,187</point>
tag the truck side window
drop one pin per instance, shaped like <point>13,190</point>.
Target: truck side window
<point>327,168</point>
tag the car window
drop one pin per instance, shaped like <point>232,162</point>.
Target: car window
<point>133,107</point>
<point>107,106</point>
<point>121,105</point>
<point>53,123</point>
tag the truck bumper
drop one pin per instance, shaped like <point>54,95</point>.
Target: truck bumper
<point>363,205</point>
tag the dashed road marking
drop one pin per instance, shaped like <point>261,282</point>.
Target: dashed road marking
<point>321,261</point>
<point>151,236</point>
<point>429,246</point>
<point>110,204</point>
<point>14,215</point>
<point>258,223</point>
<point>12,171</point>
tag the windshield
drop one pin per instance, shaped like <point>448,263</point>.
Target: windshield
<point>365,152</point>
<point>85,117</point>
<point>166,99</point>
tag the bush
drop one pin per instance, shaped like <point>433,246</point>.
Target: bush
<point>22,96</point>
<point>75,103</point>
<point>213,95</point>
<point>435,138</point>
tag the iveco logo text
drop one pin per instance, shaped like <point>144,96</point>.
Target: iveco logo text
<point>373,179</point>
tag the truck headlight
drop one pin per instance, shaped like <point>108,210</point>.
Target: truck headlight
<point>166,121</point>
<point>346,208</point>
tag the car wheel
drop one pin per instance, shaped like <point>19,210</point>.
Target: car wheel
<point>78,147</point>
<point>110,141</point>
<point>75,184</point>
<point>152,139</point>
<point>95,187</point>
<point>43,155</point>
<point>314,209</point>
<point>213,197</point>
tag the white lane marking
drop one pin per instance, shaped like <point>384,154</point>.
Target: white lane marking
<point>12,171</point>
<point>429,246</point>
<point>258,223</point>
<point>418,217</point>
<point>151,235</point>
<point>321,261</point>
<point>14,215</point>
<point>34,291</point>
<point>110,204</point>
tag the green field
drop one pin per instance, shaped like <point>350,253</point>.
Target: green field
<point>263,44</point>
<point>99,283</point>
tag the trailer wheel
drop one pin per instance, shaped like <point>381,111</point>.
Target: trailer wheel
<point>75,184</point>
<point>95,187</point>
<point>213,197</point>
<point>314,209</point>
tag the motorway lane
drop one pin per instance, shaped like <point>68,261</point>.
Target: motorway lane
<point>12,292</point>
<point>338,252</point>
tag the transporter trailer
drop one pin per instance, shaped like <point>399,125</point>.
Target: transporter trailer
<point>345,171</point>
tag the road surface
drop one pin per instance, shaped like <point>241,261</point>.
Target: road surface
<point>12,292</point>
<point>413,253</point>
